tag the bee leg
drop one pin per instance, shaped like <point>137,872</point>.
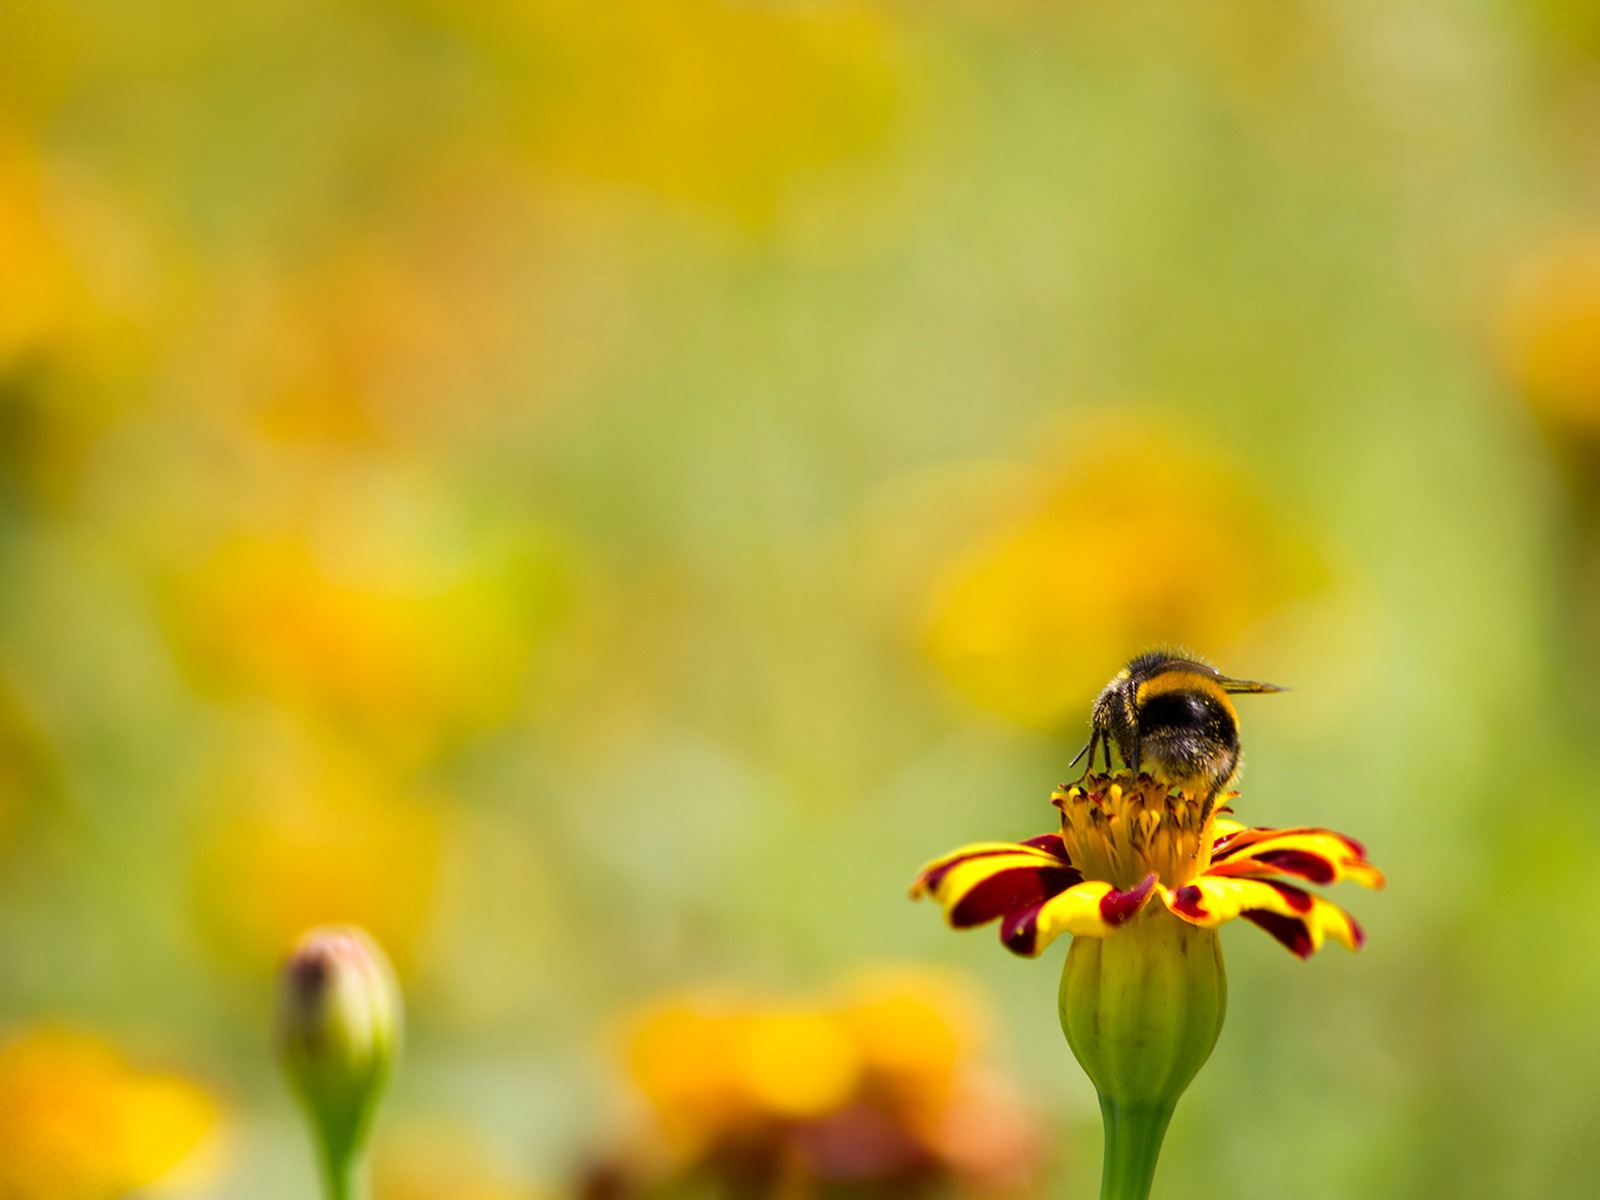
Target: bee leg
<point>1133,763</point>
<point>1094,738</point>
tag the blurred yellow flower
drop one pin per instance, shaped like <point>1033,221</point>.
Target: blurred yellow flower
<point>912,1034</point>
<point>1549,330</point>
<point>716,103</point>
<point>307,834</point>
<point>399,655</point>
<point>77,1122</point>
<point>43,298</point>
<point>796,1064</point>
<point>79,297</point>
<point>869,1087</point>
<point>1183,555</point>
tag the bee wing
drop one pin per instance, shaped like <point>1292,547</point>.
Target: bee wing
<point>1238,686</point>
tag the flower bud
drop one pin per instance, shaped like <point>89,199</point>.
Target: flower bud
<point>338,1035</point>
<point>1142,1011</point>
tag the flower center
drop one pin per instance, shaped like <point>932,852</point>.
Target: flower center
<point>1120,829</point>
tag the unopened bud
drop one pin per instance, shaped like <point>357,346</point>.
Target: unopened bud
<point>1142,1010</point>
<point>338,1036</point>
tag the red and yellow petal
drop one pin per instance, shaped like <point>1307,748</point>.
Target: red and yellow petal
<point>1299,920</point>
<point>981,882</point>
<point>1223,828</point>
<point>1314,855</point>
<point>1090,909</point>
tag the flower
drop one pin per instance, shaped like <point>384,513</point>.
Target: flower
<point>78,1122</point>
<point>878,1089</point>
<point>1143,992</point>
<point>377,636</point>
<point>1010,620</point>
<point>1548,331</point>
<point>1124,841</point>
<point>338,1035</point>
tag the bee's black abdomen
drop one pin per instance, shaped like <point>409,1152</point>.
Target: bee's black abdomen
<point>1188,734</point>
<point>1180,710</point>
<point>1169,714</point>
<point>1192,712</point>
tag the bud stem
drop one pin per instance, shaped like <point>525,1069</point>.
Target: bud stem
<point>1134,1133</point>
<point>344,1176</point>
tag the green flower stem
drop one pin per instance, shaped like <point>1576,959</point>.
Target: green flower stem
<point>1142,1009</point>
<point>344,1176</point>
<point>1133,1144</point>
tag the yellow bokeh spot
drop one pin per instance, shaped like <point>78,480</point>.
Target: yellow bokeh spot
<point>722,1067</point>
<point>913,1035</point>
<point>715,103</point>
<point>305,834</point>
<point>733,1080</point>
<point>1549,330</point>
<point>797,1064</point>
<point>393,660</point>
<point>397,337</point>
<point>683,1061</point>
<point>78,1123</point>
<point>1131,543</point>
<point>42,295</point>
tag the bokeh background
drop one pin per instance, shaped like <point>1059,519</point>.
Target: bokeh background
<point>599,492</point>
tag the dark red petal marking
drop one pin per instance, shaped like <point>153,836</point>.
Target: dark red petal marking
<point>1050,843</point>
<point>1291,931</point>
<point>1008,890</point>
<point>1117,907</point>
<point>1020,930</point>
<point>1186,901</point>
<point>1358,935</point>
<point>1298,899</point>
<point>1306,865</point>
<point>930,879</point>
<point>1245,838</point>
<point>1225,847</point>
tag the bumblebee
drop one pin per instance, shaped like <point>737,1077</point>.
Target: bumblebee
<point>1171,716</point>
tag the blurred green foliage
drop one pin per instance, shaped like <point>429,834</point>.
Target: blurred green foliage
<point>599,493</point>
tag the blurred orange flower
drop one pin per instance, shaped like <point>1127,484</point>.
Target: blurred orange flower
<point>1548,330</point>
<point>1186,557</point>
<point>401,655</point>
<point>77,1122</point>
<point>307,834</point>
<point>878,1087</point>
<point>394,336</point>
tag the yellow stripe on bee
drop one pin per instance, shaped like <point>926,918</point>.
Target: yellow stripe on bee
<point>1182,680</point>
